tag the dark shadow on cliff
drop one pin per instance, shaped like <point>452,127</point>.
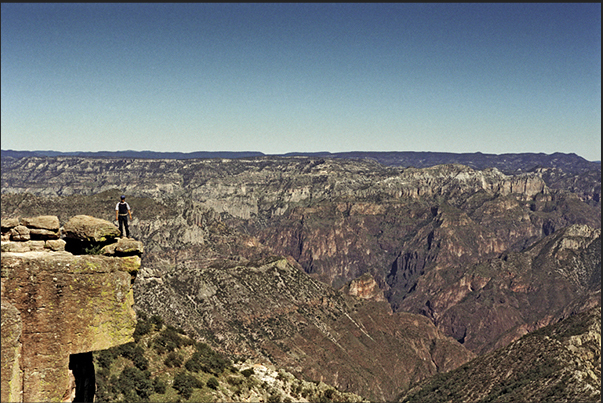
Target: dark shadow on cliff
<point>83,372</point>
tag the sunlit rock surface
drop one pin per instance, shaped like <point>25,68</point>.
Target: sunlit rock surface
<point>55,305</point>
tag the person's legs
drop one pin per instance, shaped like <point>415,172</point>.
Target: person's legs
<point>123,222</point>
<point>127,227</point>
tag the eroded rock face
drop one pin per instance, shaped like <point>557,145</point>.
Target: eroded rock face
<point>123,247</point>
<point>12,374</point>
<point>491,304</point>
<point>68,304</point>
<point>55,305</point>
<point>364,287</point>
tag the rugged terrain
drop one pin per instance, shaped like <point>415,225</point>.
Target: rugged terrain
<point>508,163</point>
<point>558,363</point>
<point>163,364</point>
<point>390,252</point>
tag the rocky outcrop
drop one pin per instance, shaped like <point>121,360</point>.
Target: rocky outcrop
<point>90,229</point>
<point>57,306</point>
<point>364,287</point>
<point>42,228</point>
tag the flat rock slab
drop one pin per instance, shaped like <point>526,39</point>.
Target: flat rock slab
<point>47,222</point>
<point>8,223</point>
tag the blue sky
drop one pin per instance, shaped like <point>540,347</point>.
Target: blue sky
<point>280,78</point>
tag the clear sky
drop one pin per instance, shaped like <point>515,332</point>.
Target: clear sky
<point>279,78</point>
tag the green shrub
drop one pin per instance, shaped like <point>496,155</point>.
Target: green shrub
<point>274,397</point>
<point>213,383</point>
<point>157,321</point>
<point>142,327</point>
<point>93,249</point>
<point>235,381</point>
<point>103,387</point>
<point>328,394</point>
<point>176,329</point>
<point>184,384</point>
<point>125,350</point>
<point>104,358</point>
<point>207,360</point>
<point>248,372</point>
<point>193,364</point>
<point>167,340</point>
<point>159,386</point>
<point>173,360</point>
<point>133,379</point>
<point>139,360</point>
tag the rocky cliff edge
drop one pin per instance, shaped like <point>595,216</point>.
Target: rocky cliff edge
<point>59,303</point>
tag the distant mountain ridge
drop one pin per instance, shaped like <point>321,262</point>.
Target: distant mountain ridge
<point>508,163</point>
<point>134,154</point>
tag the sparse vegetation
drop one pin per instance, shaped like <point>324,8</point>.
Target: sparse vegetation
<point>163,364</point>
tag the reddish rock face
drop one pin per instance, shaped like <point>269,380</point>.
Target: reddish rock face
<point>365,287</point>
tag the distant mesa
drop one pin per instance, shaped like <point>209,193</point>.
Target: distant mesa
<point>507,163</point>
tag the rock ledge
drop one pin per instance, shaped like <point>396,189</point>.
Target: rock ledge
<point>58,306</point>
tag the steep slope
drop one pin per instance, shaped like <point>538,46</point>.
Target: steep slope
<point>558,363</point>
<point>164,364</point>
<point>275,311</point>
<point>492,303</point>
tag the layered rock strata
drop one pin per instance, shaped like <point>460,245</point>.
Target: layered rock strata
<point>57,306</point>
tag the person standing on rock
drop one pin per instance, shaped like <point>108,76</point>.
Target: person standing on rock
<point>122,211</point>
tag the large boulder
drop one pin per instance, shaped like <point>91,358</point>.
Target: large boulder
<point>90,229</point>
<point>20,233</point>
<point>41,227</point>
